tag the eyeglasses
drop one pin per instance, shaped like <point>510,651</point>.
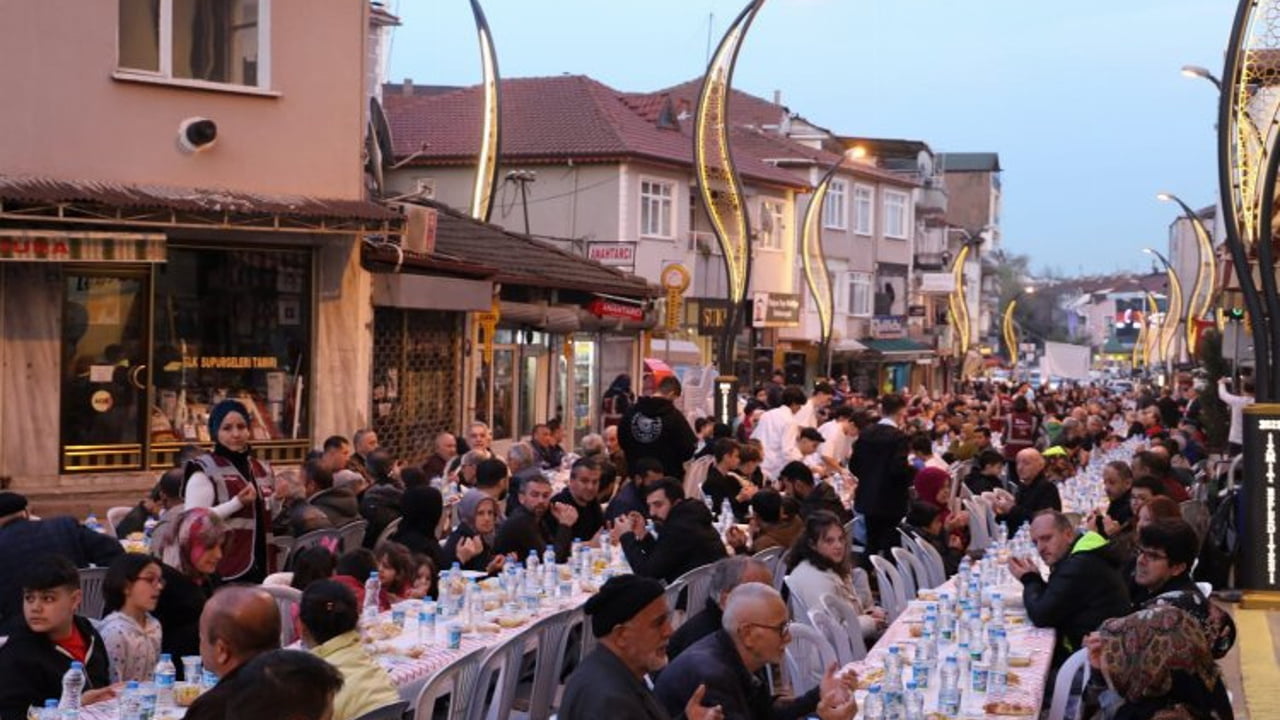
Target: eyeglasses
<point>1150,554</point>
<point>157,580</point>
<point>783,629</point>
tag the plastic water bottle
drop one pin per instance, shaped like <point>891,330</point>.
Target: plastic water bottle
<point>873,706</point>
<point>50,710</point>
<point>892,684</point>
<point>549,556</point>
<point>131,702</point>
<point>962,659</point>
<point>999,677</point>
<point>72,687</point>
<point>149,526</point>
<point>372,589</point>
<point>914,702</point>
<point>531,564</point>
<point>977,633</point>
<point>92,523</point>
<point>166,675</point>
<point>426,621</point>
<point>650,527</point>
<point>949,688</point>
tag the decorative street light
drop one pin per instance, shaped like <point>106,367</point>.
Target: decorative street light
<point>486,180</point>
<point>958,300</point>
<point>1173,309</point>
<point>1011,330</point>
<point>1195,71</point>
<point>1206,271</point>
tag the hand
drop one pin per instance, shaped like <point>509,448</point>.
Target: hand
<point>736,539</point>
<point>878,614</point>
<point>1093,643</point>
<point>247,495</point>
<point>637,523</point>
<point>100,694</point>
<point>955,542</point>
<point>496,564</point>
<point>1021,566</point>
<point>468,548</point>
<point>1109,526</point>
<point>958,520</point>
<point>564,513</point>
<point>834,681</point>
<point>693,710</point>
<point>619,528</point>
<point>839,705</point>
<point>748,491</point>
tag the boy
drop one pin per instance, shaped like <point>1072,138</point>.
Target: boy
<point>39,651</point>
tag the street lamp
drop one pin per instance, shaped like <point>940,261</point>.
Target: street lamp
<point>1195,71</point>
<point>1011,331</point>
<point>1169,329</point>
<point>958,301</point>
<point>1206,270</point>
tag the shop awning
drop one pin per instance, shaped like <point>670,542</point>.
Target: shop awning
<point>848,345</point>
<point>540,316</point>
<point>36,245</point>
<point>898,348</point>
<point>680,352</point>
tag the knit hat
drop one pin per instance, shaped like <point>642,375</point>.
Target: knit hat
<point>619,599</point>
<point>219,413</point>
<point>12,502</point>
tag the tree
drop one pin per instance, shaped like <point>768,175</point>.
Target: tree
<point>1215,416</point>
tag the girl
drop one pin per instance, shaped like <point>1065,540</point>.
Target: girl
<point>132,636</point>
<point>819,564</point>
<point>396,569</point>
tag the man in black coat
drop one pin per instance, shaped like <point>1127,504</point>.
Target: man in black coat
<point>728,574</point>
<point>884,476</point>
<point>1035,492</point>
<point>655,428</point>
<point>1084,587</point>
<point>238,624</point>
<point>584,483</point>
<point>686,538</point>
<point>525,529</point>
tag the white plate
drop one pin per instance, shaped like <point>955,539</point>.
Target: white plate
<point>474,574</point>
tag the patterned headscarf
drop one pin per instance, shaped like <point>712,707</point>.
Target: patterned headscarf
<point>195,532</point>
<point>1142,652</point>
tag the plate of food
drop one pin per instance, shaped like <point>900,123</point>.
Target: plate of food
<point>869,678</point>
<point>1004,707</point>
<point>1020,659</point>
<point>474,574</point>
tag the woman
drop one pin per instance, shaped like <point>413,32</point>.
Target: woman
<point>230,481</point>
<point>329,613</point>
<point>1158,664</point>
<point>471,544</point>
<point>617,399</point>
<point>819,564</point>
<point>933,488</point>
<point>196,548</point>
<point>421,508</point>
<point>132,636</point>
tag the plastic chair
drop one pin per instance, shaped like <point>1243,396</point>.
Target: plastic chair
<point>795,603</point>
<point>388,531</point>
<point>978,537</point>
<point>326,538</point>
<point>773,557</point>
<point>92,601</point>
<point>453,681</point>
<point>351,535</point>
<point>912,571</point>
<point>932,560</point>
<point>499,670</point>
<point>846,615</point>
<point>673,592</point>
<point>822,621</point>
<point>807,657</point>
<point>279,547</point>
<point>115,515</point>
<point>394,711</point>
<point>553,655</point>
<point>1078,661</point>
<point>891,586</point>
<point>287,598</point>
<point>697,583</point>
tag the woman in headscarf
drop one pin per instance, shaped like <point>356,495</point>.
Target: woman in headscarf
<point>1159,665</point>
<point>231,482</point>
<point>617,399</point>
<point>471,544</point>
<point>192,550</point>
<point>933,488</point>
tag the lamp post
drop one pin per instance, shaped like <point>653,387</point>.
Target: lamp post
<point>1195,71</point>
<point>1206,271</point>
<point>1173,311</point>
<point>958,301</point>
<point>1011,330</point>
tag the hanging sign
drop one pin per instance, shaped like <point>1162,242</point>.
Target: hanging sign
<point>675,280</point>
<point>487,323</point>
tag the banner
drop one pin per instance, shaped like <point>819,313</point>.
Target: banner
<point>1065,361</point>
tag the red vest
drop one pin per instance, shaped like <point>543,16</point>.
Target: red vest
<point>1020,433</point>
<point>248,521</point>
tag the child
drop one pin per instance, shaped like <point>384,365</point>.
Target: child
<point>130,634</point>
<point>396,569</point>
<point>40,650</point>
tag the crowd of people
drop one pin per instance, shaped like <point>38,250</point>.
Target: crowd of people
<point>815,474</point>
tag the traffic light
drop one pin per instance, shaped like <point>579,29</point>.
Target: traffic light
<point>1235,314</point>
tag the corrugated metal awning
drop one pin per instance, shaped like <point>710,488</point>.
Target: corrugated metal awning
<point>36,245</point>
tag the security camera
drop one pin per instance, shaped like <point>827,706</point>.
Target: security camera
<point>196,134</point>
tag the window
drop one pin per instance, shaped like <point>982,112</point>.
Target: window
<point>834,213</point>
<point>863,209</point>
<point>895,214</point>
<point>215,41</point>
<point>772,230</point>
<point>656,210</point>
<point>859,294</point>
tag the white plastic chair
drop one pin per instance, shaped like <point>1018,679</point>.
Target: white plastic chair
<point>453,681</point>
<point>287,598</point>
<point>1078,661</point>
<point>773,557</point>
<point>890,581</point>
<point>329,538</point>
<point>388,531</point>
<point>92,602</point>
<point>351,535</point>
<point>807,657</point>
<point>979,539</point>
<point>846,615</point>
<point>932,560</point>
<point>697,583</point>
<point>822,621</point>
<point>553,654</point>
<point>115,515</point>
<point>673,592</point>
<point>795,603</point>
<point>499,669</point>
<point>394,711</point>
<point>912,570</point>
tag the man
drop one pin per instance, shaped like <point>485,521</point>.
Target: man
<point>171,505</point>
<point>810,414</point>
<point>339,504</point>
<point>884,475</point>
<point>797,481</point>
<point>1237,403</point>
<point>493,479</point>
<point>296,515</point>
<point>1166,550</point>
<point>987,473</point>
<point>686,538</point>
<point>549,454</point>
<point>1084,586</point>
<point>838,435</point>
<point>1142,490</point>
<point>808,440</point>
<point>1035,492</point>
<point>526,530</point>
<point>730,663</point>
<point>722,482</point>
<point>611,445</point>
<point>1117,481</point>
<point>22,538</point>
<point>446,449</point>
<point>1156,464</point>
<point>337,453</point>
<point>655,428</point>
<point>728,574</point>
<point>286,685</point>
<point>775,521</point>
<point>631,621</point>
<point>478,436</point>
<point>580,494</point>
<point>630,497</point>
<point>777,432</point>
<point>238,624</point>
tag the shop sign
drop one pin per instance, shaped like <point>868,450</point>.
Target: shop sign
<point>713,316</point>
<point>612,254</point>
<point>888,327</point>
<point>675,280</point>
<point>937,283</point>
<point>915,311</point>
<point>55,246</point>
<point>1260,570</point>
<point>487,323</point>
<point>775,310</point>
<point>602,308</point>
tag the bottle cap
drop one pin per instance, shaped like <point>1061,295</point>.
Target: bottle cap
<point>131,685</point>
<point>373,574</point>
<point>166,657</point>
<point>77,665</point>
<point>51,703</point>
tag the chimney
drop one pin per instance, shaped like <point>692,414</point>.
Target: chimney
<point>777,97</point>
<point>407,88</point>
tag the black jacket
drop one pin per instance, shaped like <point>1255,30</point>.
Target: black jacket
<point>654,428</point>
<point>1119,509</point>
<point>212,704</point>
<point>523,532</point>
<point>135,521</point>
<point>380,505</point>
<point>22,541</point>
<point>695,628</point>
<point>590,517</point>
<point>686,540</point>
<point>449,554</point>
<point>181,602</point>
<point>714,661</point>
<point>884,476</point>
<point>32,666</point>
<point>339,504</point>
<point>1084,589</point>
<point>823,497</point>
<point>629,499</point>
<point>979,483</point>
<point>721,486</point>
<point>603,687</point>
<point>1041,494</point>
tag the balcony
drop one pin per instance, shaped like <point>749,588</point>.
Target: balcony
<point>932,200</point>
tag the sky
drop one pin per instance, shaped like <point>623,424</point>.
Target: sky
<point>1082,100</point>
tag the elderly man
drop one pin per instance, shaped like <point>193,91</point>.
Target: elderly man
<point>237,624</point>
<point>286,685</point>
<point>364,441</point>
<point>445,449</point>
<point>1084,587</point>
<point>581,493</point>
<point>1035,492</point>
<point>728,574</point>
<point>631,620</point>
<point>730,663</point>
<point>478,436</point>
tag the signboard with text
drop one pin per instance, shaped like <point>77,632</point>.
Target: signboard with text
<point>937,283</point>
<point>1259,569</point>
<point>602,308</point>
<point>613,254</point>
<point>888,327</point>
<point>772,310</point>
<point>713,316</point>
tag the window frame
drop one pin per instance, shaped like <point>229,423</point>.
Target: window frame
<point>858,228</point>
<point>903,214</point>
<point>163,75</point>
<point>774,240</point>
<point>669,199</point>
<point>835,207</point>
<point>855,281</point>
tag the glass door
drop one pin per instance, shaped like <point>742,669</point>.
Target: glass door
<point>105,323</point>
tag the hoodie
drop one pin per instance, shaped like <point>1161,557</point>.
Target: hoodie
<point>686,540</point>
<point>884,476</point>
<point>1084,589</point>
<point>32,665</point>
<point>655,428</point>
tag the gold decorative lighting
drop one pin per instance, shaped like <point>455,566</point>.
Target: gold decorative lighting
<point>486,180</point>
<point>1202,292</point>
<point>957,302</point>
<point>815,262</point>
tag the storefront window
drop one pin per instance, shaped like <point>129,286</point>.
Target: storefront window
<point>232,324</point>
<point>585,392</point>
<point>504,396</point>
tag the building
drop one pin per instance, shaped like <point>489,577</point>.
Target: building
<point>974,203</point>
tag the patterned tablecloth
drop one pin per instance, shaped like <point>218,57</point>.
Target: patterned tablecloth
<point>1027,644</point>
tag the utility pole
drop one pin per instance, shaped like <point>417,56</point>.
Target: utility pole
<point>523,177</point>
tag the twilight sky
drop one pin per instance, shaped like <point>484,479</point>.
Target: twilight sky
<point>1082,100</point>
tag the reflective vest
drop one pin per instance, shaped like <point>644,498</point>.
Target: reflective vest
<point>244,524</point>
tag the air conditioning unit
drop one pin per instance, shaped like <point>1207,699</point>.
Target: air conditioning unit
<point>419,228</point>
<point>425,188</point>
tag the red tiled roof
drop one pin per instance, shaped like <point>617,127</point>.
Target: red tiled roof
<point>772,147</point>
<point>550,118</point>
<point>744,108</point>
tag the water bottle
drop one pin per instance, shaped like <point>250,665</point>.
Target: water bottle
<point>873,706</point>
<point>131,702</point>
<point>50,710</point>
<point>977,633</point>
<point>92,523</point>
<point>531,564</point>
<point>372,589</point>
<point>426,621</point>
<point>72,687</point>
<point>475,604</point>
<point>962,659</point>
<point>650,528</point>
<point>926,656</point>
<point>208,680</point>
<point>149,527</point>
<point>164,678</point>
<point>549,556</point>
<point>999,676</point>
<point>726,513</point>
<point>949,688</point>
<point>893,669</point>
<point>914,702</point>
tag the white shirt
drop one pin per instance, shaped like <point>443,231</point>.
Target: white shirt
<point>777,432</point>
<point>807,415</point>
<point>1237,404</point>
<point>836,445</point>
